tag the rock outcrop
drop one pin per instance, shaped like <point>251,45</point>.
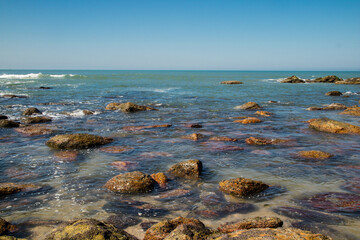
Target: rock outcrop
<point>327,79</point>
<point>248,106</point>
<point>293,79</point>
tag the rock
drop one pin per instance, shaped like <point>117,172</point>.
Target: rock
<point>263,113</point>
<point>146,225</point>
<point>293,79</point>
<point>354,111</point>
<point>355,80</point>
<point>257,222</point>
<point>335,106</point>
<point>34,130</point>
<point>231,82</point>
<point>193,125</point>
<point>128,107</point>
<point>10,238</point>
<point>11,188</point>
<point>39,119</point>
<point>4,123</point>
<point>265,141</point>
<point>156,154</point>
<point>248,120</point>
<point>137,128</point>
<point>248,106</point>
<point>116,149</point>
<point>222,210</point>
<point>190,169</point>
<point>226,148</point>
<point>270,233</point>
<point>242,186</point>
<point>337,202</point>
<point>77,141</point>
<point>124,165</point>
<point>122,221</point>
<point>164,229</point>
<point>176,193</point>
<point>223,139</point>
<point>333,93</point>
<point>87,112</point>
<point>315,108</point>
<point>194,137</point>
<point>6,227</point>
<point>352,185</point>
<point>315,154</point>
<point>45,87</point>
<point>327,79</point>
<point>131,182</point>
<point>66,156</point>
<point>31,111</point>
<point>332,126</point>
<point>160,178</point>
<point>3,117</point>
<point>89,229</point>
<point>14,96</point>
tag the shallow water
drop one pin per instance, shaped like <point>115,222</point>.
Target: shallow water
<point>73,189</point>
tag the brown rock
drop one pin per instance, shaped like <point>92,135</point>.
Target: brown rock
<point>293,79</point>
<point>131,182</point>
<point>34,130</point>
<point>128,107</point>
<point>248,120</point>
<point>194,136</point>
<point>265,141</point>
<point>188,169</point>
<point>223,139</point>
<point>263,113</point>
<point>66,156</point>
<point>231,82</point>
<point>116,149</point>
<point>193,125</point>
<point>335,106</point>
<point>328,79</point>
<point>176,193</point>
<point>354,111</point>
<point>332,126</point>
<point>137,128</point>
<point>39,119</point>
<point>4,123</point>
<point>248,106</point>
<point>333,93</point>
<point>124,165</point>
<point>355,80</point>
<point>6,227</point>
<point>14,96</point>
<point>88,112</point>
<point>242,186</point>
<point>257,222</point>
<point>11,188</point>
<point>3,117</point>
<point>77,141</point>
<point>160,178</point>
<point>31,111</point>
<point>315,154</point>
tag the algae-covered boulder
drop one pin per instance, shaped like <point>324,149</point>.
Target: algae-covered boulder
<point>333,93</point>
<point>178,228</point>
<point>257,222</point>
<point>127,107</point>
<point>242,186</point>
<point>38,119</point>
<point>77,141</point>
<point>89,229</point>
<point>190,169</point>
<point>327,79</point>
<point>131,182</point>
<point>31,111</point>
<point>248,106</point>
<point>11,188</point>
<point>332,126</point>
<point>231,82</point>
<point>293,79</point>
<point>4,123</point>
<point>315,154</point>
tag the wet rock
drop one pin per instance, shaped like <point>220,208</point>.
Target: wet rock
<point>264,113</point>
<point>4,123</point>
<point>308,215</point>
<point>223,210</point>
<point>6,227</point>
<point>242,186</point>
<point>265,141</point>
<point>319,228</point>
<point>248,120</point>
<point>3,117</point>
<point>138,128</point>
<point>131,182</point>
<point>248,106</point>
<point>164,229</point>
<point>160,178</point>
<point>146,225</point>
<point>77,141</point>
<point>87,112</point>
<point>354,111</point>
<point>20,173</point>
<point>223,139</point>
<point>11,188</point>
<point>66,156</point>
<point>293,79</point>
<point>231,82</point>
<point>193,125</point>
<point>352,185</point>
<point>332,126</point>
<point>128,107</point>
<point>355,80</point>
<point>35,130</point>
<point>194,137</point>
<point>176,193</point>
<point>31,111</point>
<point>270,233</point>
<point>212,199</point>
<point>226,148</point>
<point>89,229</point>
<point>315,154</point>
<point>257,222</point>
<point>124,165</point>
<point>39,119</point>
<point>14,96</point>
<point>122,221</point>
<point>42,87</point>
<point>327,79</point>
<point>333,93</point>
<point>315,108</point>
<point>190,169</point>
<point>337,202</point>
<point>335,106</point>
<point>116,149</point>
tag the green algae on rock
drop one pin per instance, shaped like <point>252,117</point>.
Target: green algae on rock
<point>77,141</point>
<point>242,187</point>
<point>131,182</point>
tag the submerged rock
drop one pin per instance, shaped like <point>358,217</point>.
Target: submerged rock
<point>263,113</point>
<point>293,79</point>
<point>190,169</point>
<point>257,222</point>
<point>176,193</point>
<point>116,149</point>
<point>352,185</point>
<point>128,107</point>
<point>193,125</point>
<point>31,111</point>
<point>248,120</point>
<point>220,210</point>
<point>330,107</point>
<point>333,93</point>
<point>194,137</point>
<point>131,182</point>
<point>39,119</point>
<point>6,227</point>
<point>34,130</point>
<point>124,165</point>
<point>77,141</point>
<point>122,221</point>
<point>354,111</point>
<point>137,128</point>
<point>332,126</point>
<point>231,82</point>
<point>327,79</point>
<point>11,188</point>
<point>89,229</point>
<point>248,106</point>
<point>4,123</point>
<point>315,154</point>
<point>14,96</point>
<point>223,139</point>
<point>265,141</point>
<point>242,187</point>
<point>66,156</point>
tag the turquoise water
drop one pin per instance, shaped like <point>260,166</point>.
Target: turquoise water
<point>74,189</point>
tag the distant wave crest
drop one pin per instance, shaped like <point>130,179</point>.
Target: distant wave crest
<point>37,76</point>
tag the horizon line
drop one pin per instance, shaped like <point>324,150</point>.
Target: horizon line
<point>225,70</point>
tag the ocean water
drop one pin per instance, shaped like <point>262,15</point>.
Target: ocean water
<point>74,189</point>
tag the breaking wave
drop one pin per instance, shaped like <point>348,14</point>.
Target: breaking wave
<point>37,76</point>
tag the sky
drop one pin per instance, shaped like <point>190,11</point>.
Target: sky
<point>180,34</point>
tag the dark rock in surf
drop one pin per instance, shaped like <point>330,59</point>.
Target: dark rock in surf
<point>4,123</point>
<point>333,93</point>
<point>293,79</point>
<point>31,111</point>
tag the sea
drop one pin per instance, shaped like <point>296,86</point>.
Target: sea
<point>304,193</point>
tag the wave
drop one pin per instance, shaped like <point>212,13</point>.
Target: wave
<point>37,76</point>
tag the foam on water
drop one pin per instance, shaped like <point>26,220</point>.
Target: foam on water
<point>35,76</point>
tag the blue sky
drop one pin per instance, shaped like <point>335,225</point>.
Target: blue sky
<point>209,35</point>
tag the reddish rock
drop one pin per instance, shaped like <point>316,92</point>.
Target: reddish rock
<point>248,106</point>
<point>124,165</point>
<point>77,141</point>
<point>190,169</point>
<point>128,107</point>
<point>19,173</point>
<point>11,188</point>
<point>160,178</point>
<point>332,126</point>
<point>354,111</point>
<point>263,113</point>
<point>265,141</point>
<point>242,186</point>
<point>66,156</point>
<point>352,185</point>
<point>223,139</point>
<point>257,222</point>
<point>315,154</point>
<point>116,149</point>
<point>35,130</point>
<point>226,148</point>
<point>131,182</point>
<point>248,120</point>
<point>176,193</point>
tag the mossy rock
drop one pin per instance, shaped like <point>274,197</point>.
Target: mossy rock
<point>77,141</point>
<point>242,186</point>
<point>131,182</point>
<point>128,107</point>
<point>190,169</point>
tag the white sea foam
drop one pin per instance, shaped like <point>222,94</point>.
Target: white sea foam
<point>274,79</point>
<point>350,93</point>
<point>35,76</point>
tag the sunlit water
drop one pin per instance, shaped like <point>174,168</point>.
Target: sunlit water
<point>75,189</point>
